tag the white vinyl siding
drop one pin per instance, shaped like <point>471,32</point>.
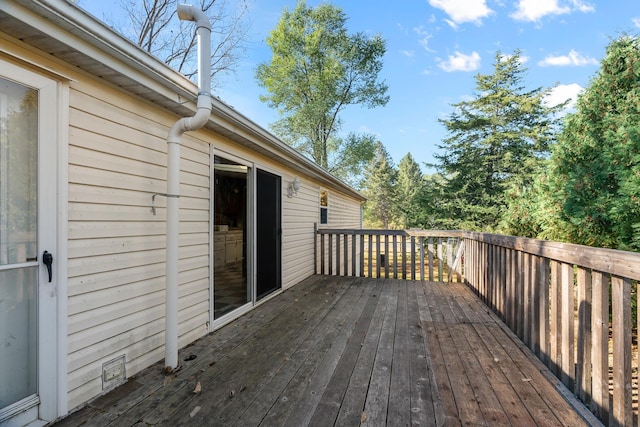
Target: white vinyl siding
<point>117,160</point>
<point>116,247</point>
<point>301,214</point>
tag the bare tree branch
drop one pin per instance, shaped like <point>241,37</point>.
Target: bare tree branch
<point>153,26</point>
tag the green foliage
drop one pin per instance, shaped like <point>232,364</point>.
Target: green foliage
<point>593,179</point>
<point>348,159</point>
<point>379,186</point>
<point>410,193</point>
<point>495,140</point>
<point>316,70</point>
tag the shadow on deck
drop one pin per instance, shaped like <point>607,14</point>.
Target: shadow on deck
<point>349,351</point>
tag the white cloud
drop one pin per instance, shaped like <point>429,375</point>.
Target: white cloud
<point>461,62</point>
<point>636,21</point>
<point>408,53</point>
<point>523,58</point>
<point>572,59</point>
<point>451,23</point>
<point>561,93</point>
<point>424,38</point>
<point>461,11</point>
<point>534,10</point>
<point>582,6</point>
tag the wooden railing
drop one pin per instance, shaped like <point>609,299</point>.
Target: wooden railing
<point>405,254</point>
<point>574,306</point>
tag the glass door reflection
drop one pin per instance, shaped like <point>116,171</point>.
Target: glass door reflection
<point>231,286</point>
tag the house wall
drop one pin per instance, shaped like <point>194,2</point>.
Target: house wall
<point>116,267</point>
<point>116,245</point>
<point>301,213</point>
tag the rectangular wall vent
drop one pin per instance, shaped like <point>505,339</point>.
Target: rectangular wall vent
<point>113,373</point>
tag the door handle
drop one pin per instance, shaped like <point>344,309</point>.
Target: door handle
<point>47,259</point>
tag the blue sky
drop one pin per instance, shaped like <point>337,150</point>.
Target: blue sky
<point>434,50</point>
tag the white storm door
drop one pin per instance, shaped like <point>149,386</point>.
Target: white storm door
<point>28,218</point>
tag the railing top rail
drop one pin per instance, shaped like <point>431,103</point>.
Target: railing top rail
<point>612,261</point>
<point>382,232</point>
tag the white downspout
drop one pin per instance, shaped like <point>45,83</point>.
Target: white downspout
<point>203,29</point>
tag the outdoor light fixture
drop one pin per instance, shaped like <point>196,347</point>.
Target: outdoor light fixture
<point>293,187</point>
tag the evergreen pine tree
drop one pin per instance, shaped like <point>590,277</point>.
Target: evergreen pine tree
<point>592,187</point>
<point>409,191</point>
<point>379,188</point>
<point>496,139</point>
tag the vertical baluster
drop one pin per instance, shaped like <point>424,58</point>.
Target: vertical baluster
<point>568,336</point>
<point>404,257</point>
<point>430,251</point>
<point>370,267</point>
<point>395,256</point>
<point>583,360</point>
<point>440,254</point>
<point>421,246</point>
<point>387,259</point>
<point>353,255</point>
<point>543,307</point>
<point>322,260</point>
<point>330,253</point>
<point>413,257</point>
<point>377,255</point>
<point>621,315</point>
<point>338,254</point>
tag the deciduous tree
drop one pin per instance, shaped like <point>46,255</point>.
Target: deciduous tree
<point>316,70</point>
<point>154,26</point>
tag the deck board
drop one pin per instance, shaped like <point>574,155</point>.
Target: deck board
<point>349,351</point>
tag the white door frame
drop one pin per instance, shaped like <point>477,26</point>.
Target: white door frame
<point>52,115</point>
<point>218,323</point>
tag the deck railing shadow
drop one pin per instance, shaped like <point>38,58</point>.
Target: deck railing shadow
<point>574,306</point>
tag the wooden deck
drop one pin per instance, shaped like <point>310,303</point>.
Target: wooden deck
<point>350,351</point>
